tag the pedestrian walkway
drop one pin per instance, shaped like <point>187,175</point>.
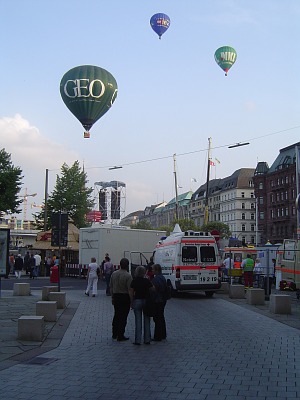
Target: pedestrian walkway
<point>216,350</point>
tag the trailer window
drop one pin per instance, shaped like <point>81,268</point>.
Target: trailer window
<point>207,254</point>
<point>189,254</point>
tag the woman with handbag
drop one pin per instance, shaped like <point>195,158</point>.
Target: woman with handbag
<point>161,296</point>
<point>139,291</point>
<point>92,276</point>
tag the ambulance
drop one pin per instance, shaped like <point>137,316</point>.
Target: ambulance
<point>190,261</point>
<point>288,265</point>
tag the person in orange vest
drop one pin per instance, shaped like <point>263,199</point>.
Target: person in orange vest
<point>248,267</point>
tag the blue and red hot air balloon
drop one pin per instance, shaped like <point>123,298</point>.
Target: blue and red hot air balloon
<point>160,23</point>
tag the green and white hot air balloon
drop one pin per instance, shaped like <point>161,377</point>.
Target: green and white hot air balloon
<point>88,92</point>
<point>225,57</point>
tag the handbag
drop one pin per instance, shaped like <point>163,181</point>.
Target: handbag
<point>149,307</point>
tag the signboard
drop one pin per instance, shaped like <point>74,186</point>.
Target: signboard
<point>4,247</point>
<point>59,232</point>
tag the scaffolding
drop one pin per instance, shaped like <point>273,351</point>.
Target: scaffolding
<point>111,198</point>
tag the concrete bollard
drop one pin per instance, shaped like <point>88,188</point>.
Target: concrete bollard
<point>255,296</point>
<point>21,289</point>
<point>236,292</point>
<point>59,297</point>
<point>47,309</point>
<point>280,304</point>
<point>31,327</point>
<point>224,287</point>
<point>46,290</point>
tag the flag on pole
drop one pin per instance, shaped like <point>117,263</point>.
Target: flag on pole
<point>211,163</point>
<point>193,180</point>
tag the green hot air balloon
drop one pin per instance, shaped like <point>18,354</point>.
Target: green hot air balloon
<point>88,92</point>
<point>225,57</point>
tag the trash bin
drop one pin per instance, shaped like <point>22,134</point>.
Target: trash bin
<point>54,274</point>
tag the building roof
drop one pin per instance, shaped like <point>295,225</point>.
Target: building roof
<point>43,240</point>
<point>239,179</point>
<point>286,157</point>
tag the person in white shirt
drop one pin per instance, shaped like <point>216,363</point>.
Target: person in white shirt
<point>92,277</point>
<point>227,264</point>
<point>38,260</point>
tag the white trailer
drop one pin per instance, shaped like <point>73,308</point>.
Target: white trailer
<point>135,244</point>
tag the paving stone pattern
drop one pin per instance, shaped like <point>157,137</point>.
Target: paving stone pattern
<point>215,350</point>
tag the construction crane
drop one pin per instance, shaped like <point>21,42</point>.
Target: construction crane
<point>25,199</point>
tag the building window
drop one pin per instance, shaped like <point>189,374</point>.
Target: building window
<point>252,227</point>
<point>252,216</point>
<point>286,211</point>
<point>260,185</point>
<point>277,196</point>
<point>286,195</point>
<point>252,195</point>
<point>252,239</point>
<point>244,239</point>
<point>272,214</point>
<point>286,179</point>
<point>282,195</point>
<point>243,227</point>
<point>261,200</point>
<point>243,216</point>
<point>272,198</point>
<point>278,212</point>
<point>272,183</point>
<point>242,194</point>
<point>243,205</point>
<point>261,215</point>
<point>252,206</point>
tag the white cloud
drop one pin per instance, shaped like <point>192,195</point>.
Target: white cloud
<point>33,153</point>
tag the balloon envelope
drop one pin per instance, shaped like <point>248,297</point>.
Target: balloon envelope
<point>225,57</point>
<point>160,23</point>
<point>88,92</point>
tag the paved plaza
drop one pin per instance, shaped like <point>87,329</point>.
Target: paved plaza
<point>217,349</point>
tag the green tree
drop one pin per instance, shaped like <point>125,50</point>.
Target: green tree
<point>10,184</point>
<point>185,225</point>
<point>142,225</point>
<point>219,226</point>
<point>70,194</point>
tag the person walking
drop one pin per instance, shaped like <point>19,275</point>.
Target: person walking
<point>32,267</point>
<point>120,282</point>
<point>160,300</point>
<point>139,291</point>
<point>248,266</point>
<point>19,265</point>
<point>108,269</point>
<point>92,277</point>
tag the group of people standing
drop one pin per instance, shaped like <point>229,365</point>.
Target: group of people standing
<point>145,294</point>
<point>30,264</point>
<point>252,270</point>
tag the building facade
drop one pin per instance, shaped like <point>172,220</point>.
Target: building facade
<point>276,193</point>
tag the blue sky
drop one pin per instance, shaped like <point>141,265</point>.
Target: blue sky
<point>172,96</point>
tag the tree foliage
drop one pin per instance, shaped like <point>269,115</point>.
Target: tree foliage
<point>10,184</point>
<point>185,225</point>
<point>219,226</point>
<point>142,225</point>
<point>70,195</point>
